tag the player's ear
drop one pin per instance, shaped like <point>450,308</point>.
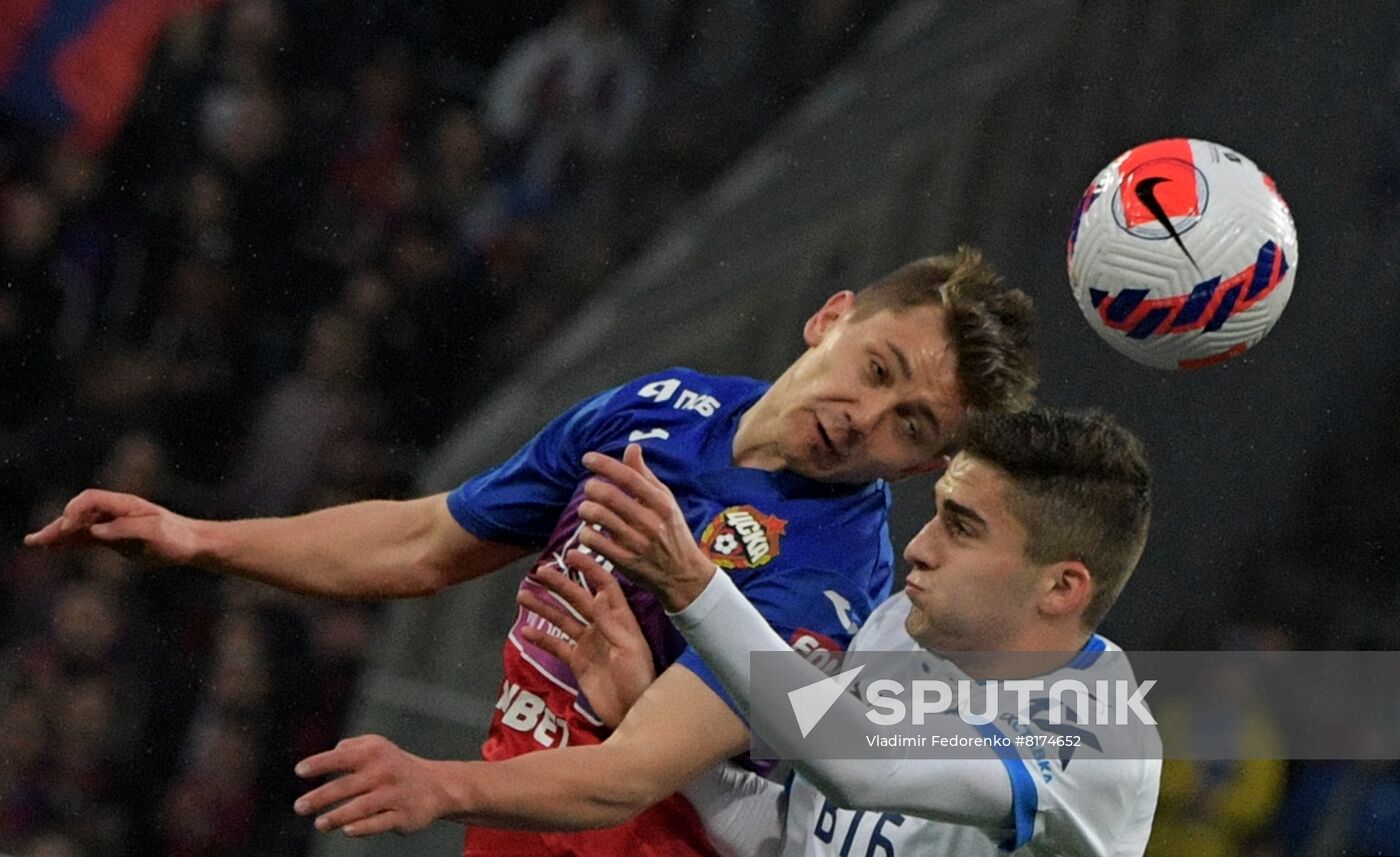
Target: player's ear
<point>821,321</point>
<point>1068,588</point>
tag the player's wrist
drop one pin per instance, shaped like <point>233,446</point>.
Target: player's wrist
<point>218,546</point>
<point>207,548</point>
<point>455,789</point>
<point>680,591</point>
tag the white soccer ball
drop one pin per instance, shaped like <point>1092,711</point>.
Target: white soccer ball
<point>1182,254</point>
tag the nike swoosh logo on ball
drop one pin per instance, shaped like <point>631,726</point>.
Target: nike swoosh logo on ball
<point>1146,192</point>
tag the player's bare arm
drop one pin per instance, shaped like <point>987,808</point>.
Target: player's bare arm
<point>678,729</point>
<point>373,549</point>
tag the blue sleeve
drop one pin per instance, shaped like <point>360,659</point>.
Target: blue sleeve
<point>519,501</point>
<point>800,599</point>
<point>1025,799</point>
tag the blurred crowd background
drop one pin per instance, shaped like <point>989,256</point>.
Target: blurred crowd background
<point>321,234</point>
<point>324,231</point>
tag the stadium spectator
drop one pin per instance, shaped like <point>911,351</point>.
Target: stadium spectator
<point>568,97</point>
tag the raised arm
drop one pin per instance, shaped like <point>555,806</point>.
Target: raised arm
<point>373,549</point>
<point>644,534</point>
<point>724,628</point>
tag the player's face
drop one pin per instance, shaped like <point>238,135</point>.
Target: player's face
<point>970,583</point>
<point>871,398</point>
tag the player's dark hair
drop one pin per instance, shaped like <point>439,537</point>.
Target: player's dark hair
<point>989,325</point>
<point>1080,485</point>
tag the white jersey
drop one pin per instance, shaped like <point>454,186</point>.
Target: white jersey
<point>1091,807</point>
<point>1095,807</point>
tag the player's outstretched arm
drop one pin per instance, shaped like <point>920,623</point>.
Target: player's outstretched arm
<point>725,629</point>
<point>677,730</point>
<point>644,534</point>
<point>374,549</point>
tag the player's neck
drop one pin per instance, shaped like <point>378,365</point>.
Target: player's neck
<point>1016,655</point>
<point>752,447</point>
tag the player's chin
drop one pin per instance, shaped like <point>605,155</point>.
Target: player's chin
<point>916,621</point>
<point>815,466</point>
<point>836,470</point>
<point>922,615</point>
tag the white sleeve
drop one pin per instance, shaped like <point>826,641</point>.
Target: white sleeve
<point>741,810</point>
<point>724,628</point>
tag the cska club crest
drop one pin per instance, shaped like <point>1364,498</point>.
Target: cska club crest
<point>742,537</point>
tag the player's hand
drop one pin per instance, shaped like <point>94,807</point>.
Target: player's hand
<point>135,527</point>
<point>643,529</point>
<point>606,650</point>
<point>380,787</point>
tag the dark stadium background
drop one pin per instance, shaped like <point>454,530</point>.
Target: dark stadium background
<point>313,261</point>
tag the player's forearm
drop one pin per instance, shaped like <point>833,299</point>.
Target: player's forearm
<point>576,788</point>
<point>725,629</point>
<point>374,549</point>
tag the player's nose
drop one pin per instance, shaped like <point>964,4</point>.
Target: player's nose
<point>922,550</point>
<point>864,414</point>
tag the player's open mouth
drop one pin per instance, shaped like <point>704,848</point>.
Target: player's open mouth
<point>826,439</point>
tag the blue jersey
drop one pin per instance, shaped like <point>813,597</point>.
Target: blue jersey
<point>813,557</point>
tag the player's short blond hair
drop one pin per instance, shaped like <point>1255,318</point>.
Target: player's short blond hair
<point>989,326</point>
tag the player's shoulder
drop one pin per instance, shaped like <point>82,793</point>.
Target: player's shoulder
<point>682,388</point>
<point>678,405</point>
<point>837,525</point>
<point>1103,644</point>
<point>1118,712</point>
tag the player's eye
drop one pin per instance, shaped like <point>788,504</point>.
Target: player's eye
<point>877,371</point>
<point>911,428</point>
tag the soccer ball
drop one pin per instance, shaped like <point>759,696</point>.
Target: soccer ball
<point>1182,254</point>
